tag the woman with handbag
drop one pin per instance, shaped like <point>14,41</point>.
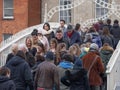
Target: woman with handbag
<point>93,64</point>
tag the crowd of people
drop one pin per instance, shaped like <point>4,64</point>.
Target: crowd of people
<point>67,58</point>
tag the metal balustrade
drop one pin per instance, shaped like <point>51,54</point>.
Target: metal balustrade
<point>113,69</point>
<point>5,46</point>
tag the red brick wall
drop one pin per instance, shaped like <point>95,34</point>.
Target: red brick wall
<point>34,12</point>
<point>26,13</point>
<point>20,20</point>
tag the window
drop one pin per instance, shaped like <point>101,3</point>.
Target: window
<point>8,9</point>
<point>65,14</point>
<point>100,10</point>
<point>6,36</point>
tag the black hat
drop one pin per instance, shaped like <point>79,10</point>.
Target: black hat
<point>49,55</point>
<point>69,27</point>
<point>34,32</point>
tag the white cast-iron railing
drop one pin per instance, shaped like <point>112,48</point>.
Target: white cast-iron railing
<point>113,9</point>
<point>113,69</point>
<point>5,46</point>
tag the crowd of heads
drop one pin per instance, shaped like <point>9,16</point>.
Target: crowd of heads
<point>65,43</point>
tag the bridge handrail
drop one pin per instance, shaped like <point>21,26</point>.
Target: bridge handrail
<point>6,43</point>
<point>113,59</point>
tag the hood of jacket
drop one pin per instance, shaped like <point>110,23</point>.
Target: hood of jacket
<point>66,65</point>
<point>4,79</point>
<point>16,60</point>
<point>106,52</point>
<point>107,48</point>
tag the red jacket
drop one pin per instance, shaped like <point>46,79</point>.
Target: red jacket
<point>97,68</point>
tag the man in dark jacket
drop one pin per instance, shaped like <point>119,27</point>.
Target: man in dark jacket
<point>108,24</point>
<point>20,72</point>
<point>115,31</point>
<point>72,36</point>
<point>28,56</point>
<point>59,37</point>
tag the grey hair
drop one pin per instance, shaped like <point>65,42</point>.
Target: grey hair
<point>22,47</point>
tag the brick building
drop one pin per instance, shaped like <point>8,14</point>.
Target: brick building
<point>16,15</point>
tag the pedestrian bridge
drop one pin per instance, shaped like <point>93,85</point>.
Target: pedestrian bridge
<point>113,67</point>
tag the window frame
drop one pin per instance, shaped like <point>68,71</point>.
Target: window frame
<point>67,16</point>
<point>9,8</point>
<point>5,36</point>
<point>101,9</point>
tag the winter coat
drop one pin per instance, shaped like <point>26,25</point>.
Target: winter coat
<point>6,83</point>
<point>82,35</point>
<point>47,76</point>
<point>76,79</point>
<point>32,50</point>
<point>75,38</point>
<point>34,68</point>
<point>96,70</point>
<point>50,36</point>
<point>109,26</point>
<point>96,39</point>
<point>9,56</point>
<point>107,39</point>
<point>63,40</point>
<point>20,73</point>
<point>44,41</point>
<point>105,54</point>
<point>62,67</point>
<point>93,37</point>
<point>115,31</point>
<point>30,59</point>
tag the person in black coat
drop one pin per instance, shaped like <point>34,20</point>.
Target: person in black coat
<point>39,59</point>
<point>60,39</point>
<point>13,53</point>
<point>5,82</point>
<point>20,72</point>
<point>28,56</point>
<point>76,79</point>
<point>115,31</point>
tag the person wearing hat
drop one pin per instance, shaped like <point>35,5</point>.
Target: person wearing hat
<point>92,62</point>
<point>72,36</point>
<point>47,77</point>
